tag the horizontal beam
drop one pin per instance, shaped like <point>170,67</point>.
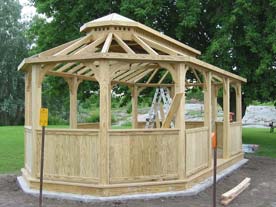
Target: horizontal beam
<point>131,58</point>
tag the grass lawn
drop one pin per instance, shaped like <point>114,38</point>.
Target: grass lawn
<point>11,148</point>
<point>12,145</point>
<point>262,137</point>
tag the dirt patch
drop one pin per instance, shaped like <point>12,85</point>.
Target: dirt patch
<point>261,193</point>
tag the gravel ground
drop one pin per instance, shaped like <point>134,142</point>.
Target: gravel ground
<point>261,193</point>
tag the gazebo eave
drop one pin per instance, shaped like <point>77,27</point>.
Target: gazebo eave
<point>130,58</point>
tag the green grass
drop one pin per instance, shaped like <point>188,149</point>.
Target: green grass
<point>11,148</point>
<point>262,137</point>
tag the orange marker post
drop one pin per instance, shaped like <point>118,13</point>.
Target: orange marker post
<point>214,146</point>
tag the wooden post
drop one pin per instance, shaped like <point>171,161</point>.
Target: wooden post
<point>238,103</point>
<point>226,121</point>
<point>73,84</point>
<point>134,100</point>
<point>103,76</point>
<point>28,98</point>
<point>208,112</point>
<point>181,70</point>
<point>214,104</point>
<point>36,105</point>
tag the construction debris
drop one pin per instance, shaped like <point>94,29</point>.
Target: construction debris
<point>233,193</point>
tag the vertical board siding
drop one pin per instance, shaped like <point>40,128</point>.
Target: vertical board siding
<point>71,155</point>
<point>28,148</point>
<point>143,155</point>
<point>197,150</point>
<point>236,138</point>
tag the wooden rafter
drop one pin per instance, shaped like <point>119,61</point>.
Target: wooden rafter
<point>161,47</point>
<point>82,71</point>
<point>74,46</point>
<point>135,74</point>
<point>144,45</point>
<point>123,44</point>
<point>142,75</point>
<point>107,43</point>
<point>163,77</point>
<point>57,49</point>
<point>76,68</point>
<point>152,75</point>
<point>65,67</point>
<point>131,70</point>
<point>92,46</point>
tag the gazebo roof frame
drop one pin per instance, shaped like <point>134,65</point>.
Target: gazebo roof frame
<point>123,41</point>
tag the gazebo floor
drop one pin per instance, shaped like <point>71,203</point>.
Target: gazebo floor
<point>128,188</point>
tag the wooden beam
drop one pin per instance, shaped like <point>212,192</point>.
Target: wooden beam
<point>173,109</point>
<point>76,68</point>
<point>152,75</point>
<point>154,85</point>
<point>107,43</point>
<point>141,75</point>
<point>90,48</point>
<point>226,119</point>
<point>161,47</point>
<point>74,46</point>
<point>135,74</point>
<point>84,70</point>
<point>233,193</point>
<point>123,44</point>
<point>131,58</point>
<point>54,50</point>
<point>134,101</point>
<point>65,67</point>
<point>208,112</point>
<point>163,77</point>
<point>197,77</point>
<point>146,47</point>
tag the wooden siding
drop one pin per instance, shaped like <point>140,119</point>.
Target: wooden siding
<point>143,155</point>
<point>71,155</point>
<point>197,150</point>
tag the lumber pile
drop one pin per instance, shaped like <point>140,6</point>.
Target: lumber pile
<point>230,195</point>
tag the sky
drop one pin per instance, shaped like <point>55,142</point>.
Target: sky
<point>28,11</point>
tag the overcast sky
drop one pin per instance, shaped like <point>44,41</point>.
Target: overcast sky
<point>28,11</point>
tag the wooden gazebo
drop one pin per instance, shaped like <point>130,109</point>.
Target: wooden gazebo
<point>98,160</point>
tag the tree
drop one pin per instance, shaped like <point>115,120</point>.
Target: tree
<point>13,49</point>
<point>239,35</point>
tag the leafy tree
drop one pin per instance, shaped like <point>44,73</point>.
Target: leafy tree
<point>13,50</point>
<point>239,35</point>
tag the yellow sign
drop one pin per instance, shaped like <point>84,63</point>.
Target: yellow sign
<point>43,117</point>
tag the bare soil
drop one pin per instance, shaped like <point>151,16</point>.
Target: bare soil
<point>261,193</point>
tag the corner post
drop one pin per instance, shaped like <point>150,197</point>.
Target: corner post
<point>102,74</point>
<point>238,103</point>
<point>134,100</point>
<point>208,111</point>
<point>226,121</point>
<point>28,98</point>
<point>36,105</point>
<point>181,70</point>
<point>73,84</point>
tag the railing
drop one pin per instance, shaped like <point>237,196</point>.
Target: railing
<point>71,154</point>
<point>143,155</point>
<point>197,150</point>
<point>235,138</point>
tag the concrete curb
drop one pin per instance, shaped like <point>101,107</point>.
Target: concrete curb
<point>88,198</point>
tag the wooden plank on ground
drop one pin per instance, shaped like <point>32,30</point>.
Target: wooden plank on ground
<point>233,193</point>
